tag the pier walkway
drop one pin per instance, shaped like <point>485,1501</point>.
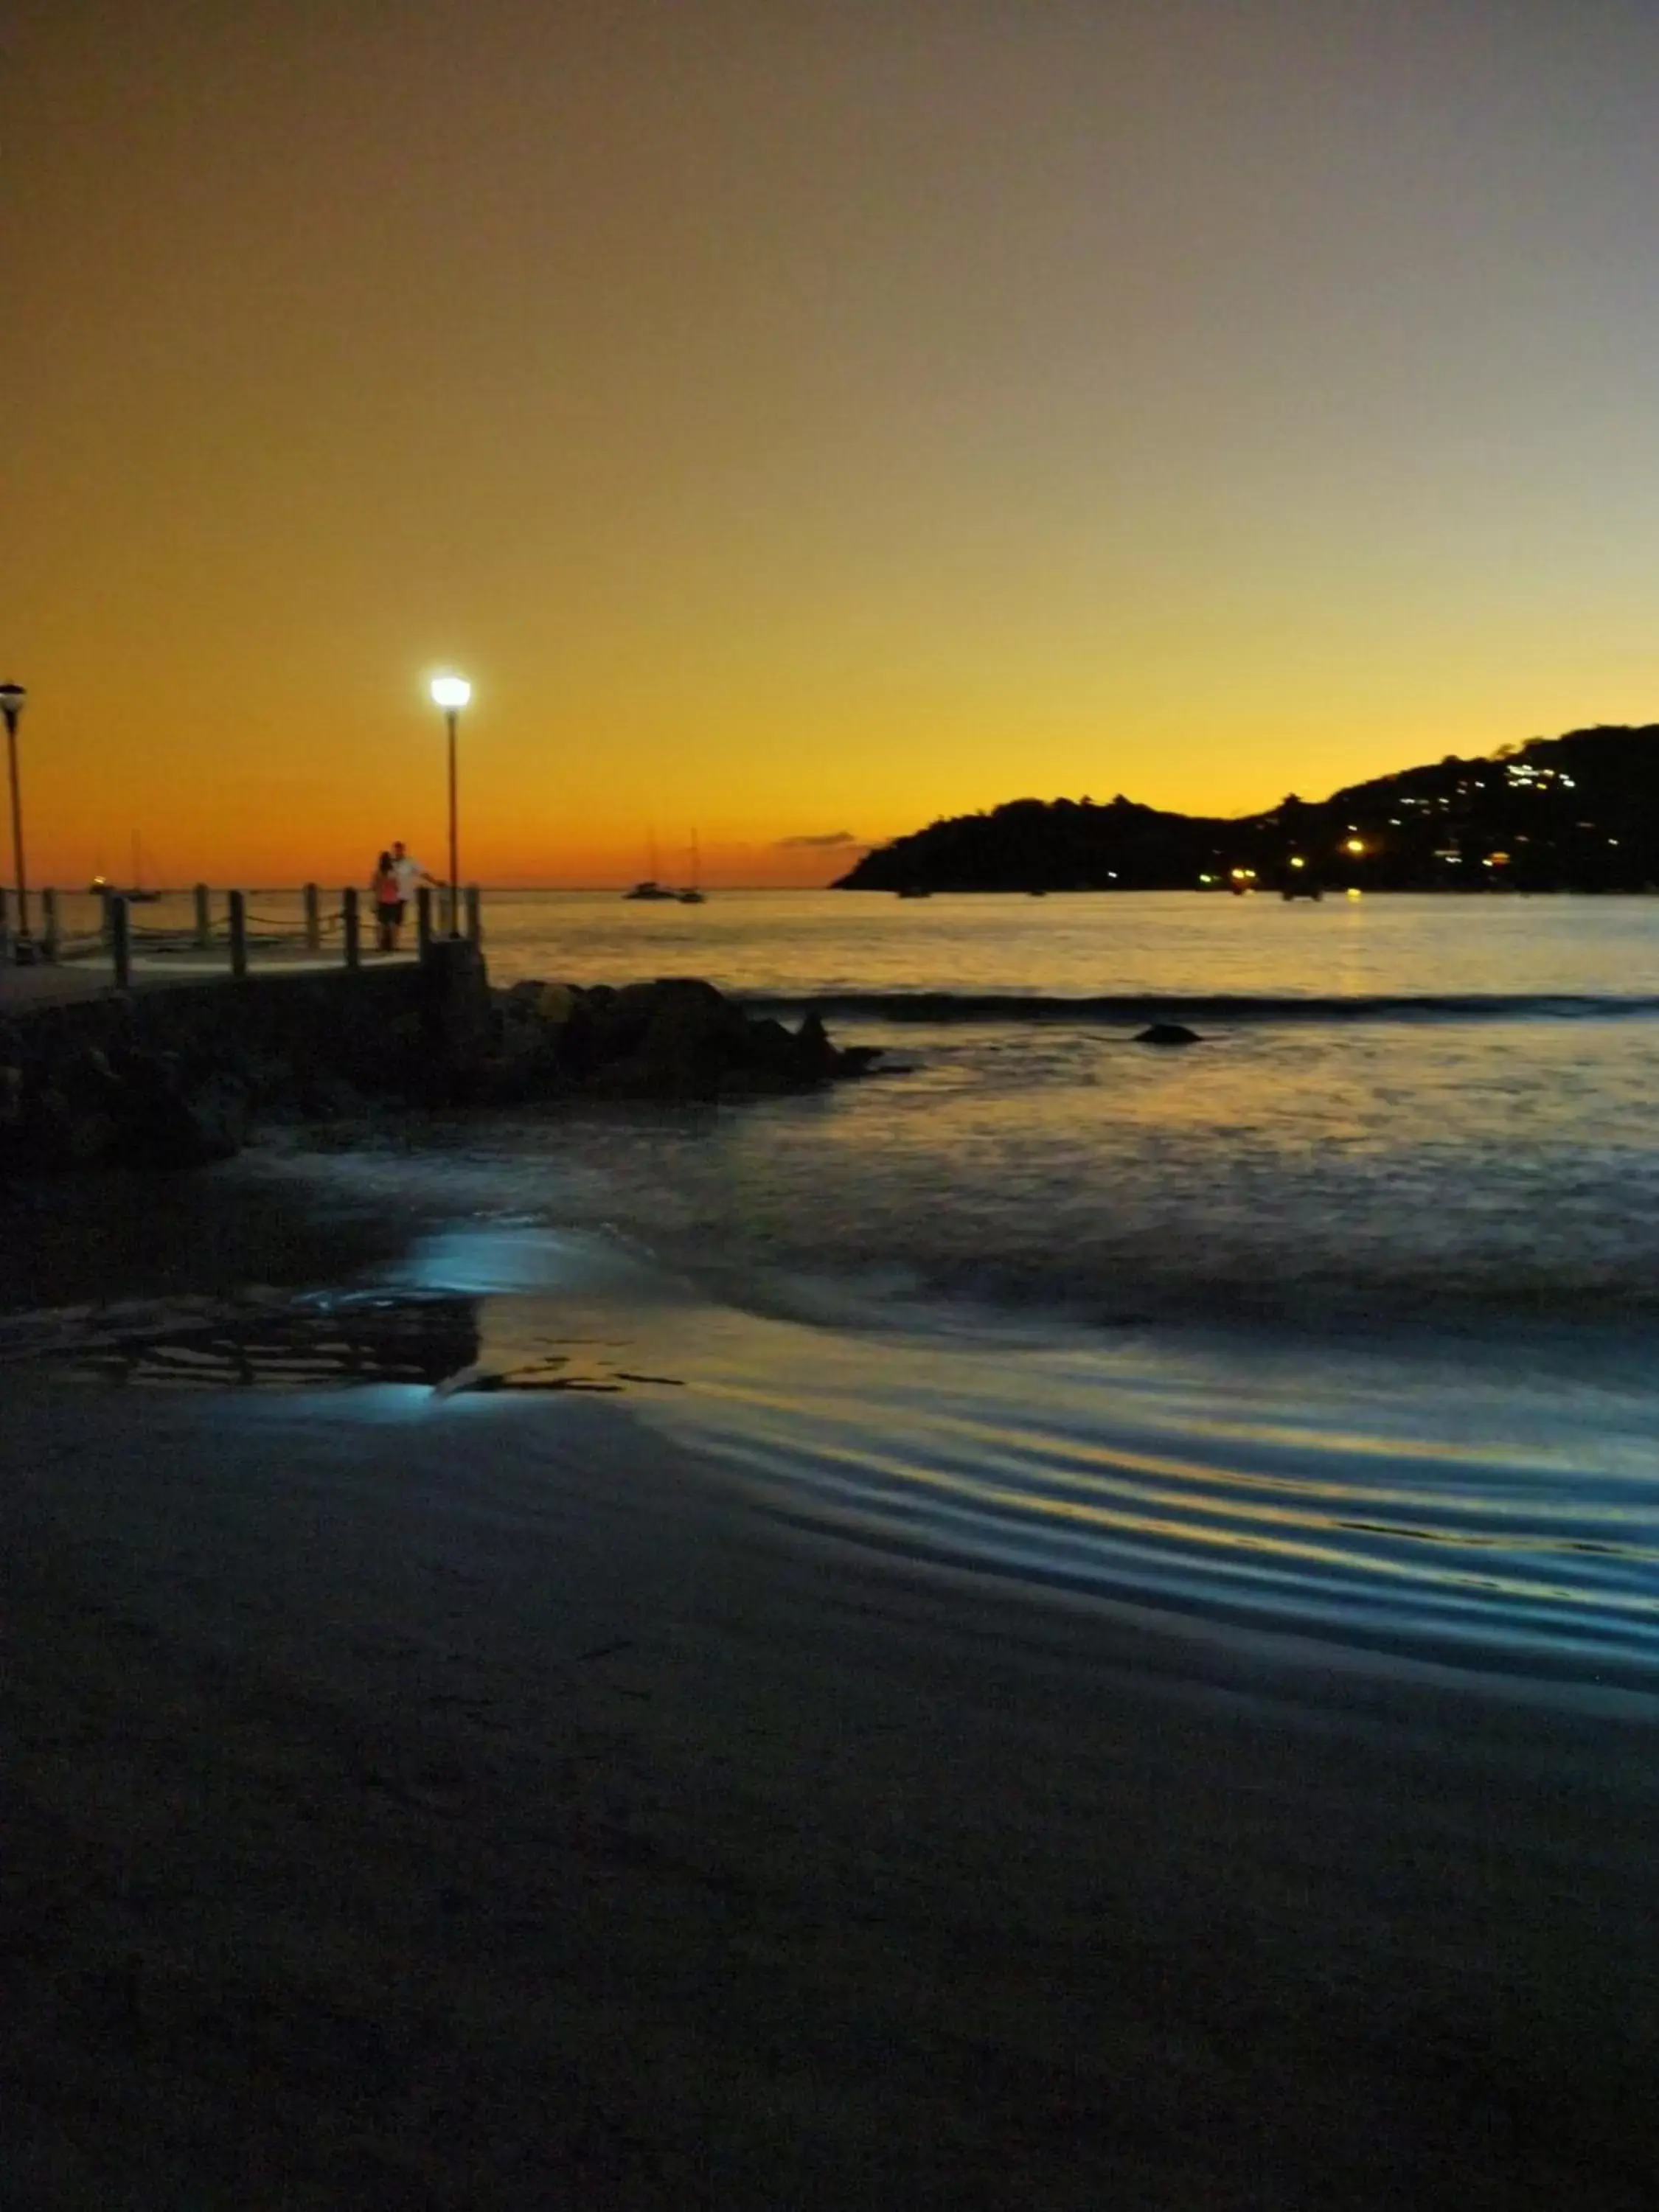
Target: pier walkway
<point>65,983</point>
<point>90,948</point>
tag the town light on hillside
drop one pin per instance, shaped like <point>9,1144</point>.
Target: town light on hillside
<point>451,693</point>
<point>12,696</point>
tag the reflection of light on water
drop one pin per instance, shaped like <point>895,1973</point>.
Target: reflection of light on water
<point>307,1345</point>
<point>1322,1496</point>
<point>399,1344</point>
<point>479,1259</point>
<point>1469,1506</point>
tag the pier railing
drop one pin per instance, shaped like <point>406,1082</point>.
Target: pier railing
<point>211,930</point>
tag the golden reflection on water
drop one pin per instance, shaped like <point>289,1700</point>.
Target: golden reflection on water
<point>1359,1085</point>
<point>955,1485</point>
<point>887,1436</point>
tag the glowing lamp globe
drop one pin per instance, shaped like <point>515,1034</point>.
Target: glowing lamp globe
<point>450,692</point>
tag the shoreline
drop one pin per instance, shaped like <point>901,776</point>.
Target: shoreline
<point>477,1803</point>
<point>1232,1489</point>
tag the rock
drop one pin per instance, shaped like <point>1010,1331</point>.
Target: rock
<point>676,1038</point>
<point>218,1122</point>
<point>816,1057</point>
<point>65,1112</point>
<point>321,1095</point>
<point>693,1017</point>
<point>677,1011</point>
<point>680,1038</point>
<point>770,1066</point>
<point>165,1118</point>
<point>179,1089</point>
<point>1168,1033</point>
<point>522,1063</point>
<point>861,1059</point>
<point>71,1129</point>
<point>768,1045</point>
<point>459,1016</point>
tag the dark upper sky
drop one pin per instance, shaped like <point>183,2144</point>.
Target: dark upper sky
<point>795,415</point>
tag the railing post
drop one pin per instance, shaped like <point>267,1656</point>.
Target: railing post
<point>120,941</point>
<point>313,920</point>
<point>423,917</point>
<point>354,952</point>
<point>239,933</point>
<point>49,930</point>
<point>474,915</point>
<point>203,917</point>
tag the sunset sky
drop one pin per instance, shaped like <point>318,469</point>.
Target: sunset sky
<point>804,417</point>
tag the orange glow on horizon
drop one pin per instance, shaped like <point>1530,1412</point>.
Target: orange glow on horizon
<point>279,805</point>
<point>803,423</point>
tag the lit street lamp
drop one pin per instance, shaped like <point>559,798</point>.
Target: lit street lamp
<point>452,693</point>
<point>12,696</point>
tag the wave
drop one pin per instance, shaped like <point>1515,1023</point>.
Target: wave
<point>1118,1009</point>
<point>1446,1503</point>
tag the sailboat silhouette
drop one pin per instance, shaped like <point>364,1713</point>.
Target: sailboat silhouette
<point>648,887</point>
<point>135,890</point>
<point>693,894</point>
<point>135,894</point>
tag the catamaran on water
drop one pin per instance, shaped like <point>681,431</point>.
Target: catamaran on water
<point>648,887</point>
<point>134,893</point>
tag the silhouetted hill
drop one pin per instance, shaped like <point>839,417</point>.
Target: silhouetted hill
<point>1577,812</point>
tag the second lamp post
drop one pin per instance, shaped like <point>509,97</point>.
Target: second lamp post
<point>452,693</point>
<point>12,696</point>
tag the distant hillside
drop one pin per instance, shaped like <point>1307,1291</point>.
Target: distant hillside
<point>1577,812</point>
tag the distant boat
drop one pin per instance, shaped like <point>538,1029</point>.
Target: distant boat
<point>692,895</point>
<point>134,893</point>
<point>137,894</point>
<point>648,887</point>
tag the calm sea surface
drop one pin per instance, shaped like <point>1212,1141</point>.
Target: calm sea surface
<point>1341,1322</point>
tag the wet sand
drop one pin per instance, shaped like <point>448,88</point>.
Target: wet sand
<point>475,1803</point>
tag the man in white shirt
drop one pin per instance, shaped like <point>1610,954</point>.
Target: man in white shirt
<point>411,874</point>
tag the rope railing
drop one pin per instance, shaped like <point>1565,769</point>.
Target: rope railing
<point>230,937</point>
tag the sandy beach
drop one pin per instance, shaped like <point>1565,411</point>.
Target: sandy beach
<point>475,1802</point>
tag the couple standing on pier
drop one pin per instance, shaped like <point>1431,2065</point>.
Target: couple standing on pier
<point>397,874</point>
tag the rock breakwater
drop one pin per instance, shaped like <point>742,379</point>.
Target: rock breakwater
<point>179,1078</point>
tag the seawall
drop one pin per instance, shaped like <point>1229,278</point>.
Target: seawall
<point>176,1075</point>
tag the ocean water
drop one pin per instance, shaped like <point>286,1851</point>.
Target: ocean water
<point>1340,1324</point>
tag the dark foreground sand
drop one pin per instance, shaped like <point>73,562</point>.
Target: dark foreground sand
<point>479,1806</point>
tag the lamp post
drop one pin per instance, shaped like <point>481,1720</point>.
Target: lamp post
<point>451,693</point>
<point>12,696</point>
